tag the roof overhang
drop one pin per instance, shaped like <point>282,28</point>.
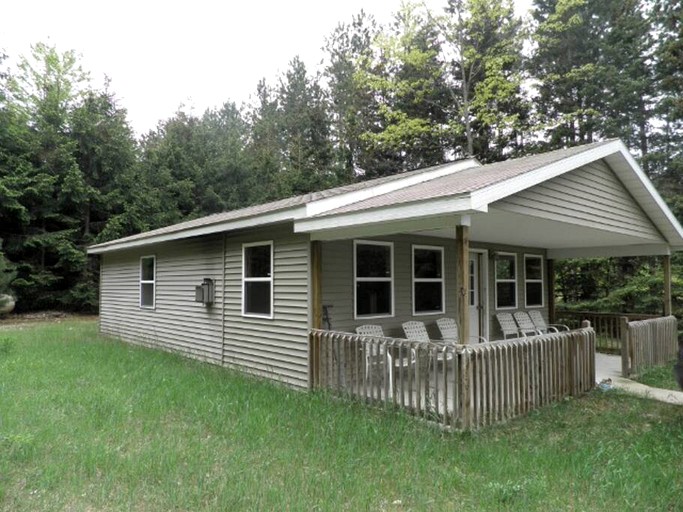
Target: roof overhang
<point>344,214</point>
<point>403,217</point>
<point>284,215</point>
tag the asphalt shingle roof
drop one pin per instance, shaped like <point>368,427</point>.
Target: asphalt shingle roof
<point>459,182</point>
<point>271,207</point>
<point>465,181</point>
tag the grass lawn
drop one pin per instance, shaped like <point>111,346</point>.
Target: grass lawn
<point>88,423</point>
<point>660,377</point>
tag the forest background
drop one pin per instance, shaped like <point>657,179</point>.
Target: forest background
<point>426,88</point>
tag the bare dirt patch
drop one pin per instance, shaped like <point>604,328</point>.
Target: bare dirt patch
<point>37,317</point>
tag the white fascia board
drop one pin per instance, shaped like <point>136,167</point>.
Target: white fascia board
<point>389,228</point>
<point>230,225</point>
<point>492,193</point>
<point>605,252</point>
<point>661,215</point>
<point>409,211</point>
<point>332,203</point>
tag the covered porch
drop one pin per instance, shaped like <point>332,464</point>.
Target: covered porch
<point>479,241</point>
<point>470,245</point>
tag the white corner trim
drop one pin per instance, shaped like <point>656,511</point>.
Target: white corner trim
<point>338,201</point>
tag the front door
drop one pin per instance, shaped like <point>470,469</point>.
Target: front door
<point>477,296</point>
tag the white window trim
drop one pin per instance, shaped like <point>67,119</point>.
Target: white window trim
<point>441,279</point>
<point>257,279</point>
<point>356,279</point>
<point>496,280</point>
<point>153,282</point>
<point>541,280</point>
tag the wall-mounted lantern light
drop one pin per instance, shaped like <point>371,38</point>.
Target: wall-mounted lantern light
<point>205,292</point>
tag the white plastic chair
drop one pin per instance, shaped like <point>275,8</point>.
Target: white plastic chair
<point>526,326</point>
<point>507,325</point>
<point>416,331</point>
<point>539,322</point>
<point>450,332</point>
<point>377,353</point>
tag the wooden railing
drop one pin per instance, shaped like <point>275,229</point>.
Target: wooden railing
<point>647,343</point>
<point>459,386</point>
<point>607,326</point>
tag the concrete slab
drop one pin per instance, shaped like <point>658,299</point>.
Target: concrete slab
<point>608,367</point>
<point>636,388</point>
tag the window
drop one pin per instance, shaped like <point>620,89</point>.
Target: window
<point>428,287</point>
<point>257,279</point>
<point>373,278</point>
<point>147,281</point>
<point>506,281</point>
<point>533,281</point>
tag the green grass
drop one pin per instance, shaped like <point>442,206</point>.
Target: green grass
<point>88,423</point>
<point>659,377</point>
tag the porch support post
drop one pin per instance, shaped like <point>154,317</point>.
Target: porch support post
<point>316,297</point>
<point>462,281</point>
<point>316,285</point>
<point>666,267</point>
<point>550,268</point>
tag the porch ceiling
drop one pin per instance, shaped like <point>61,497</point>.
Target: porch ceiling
<point>562,240</point>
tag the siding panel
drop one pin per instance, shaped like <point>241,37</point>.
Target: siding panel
<point>177,323</point>
<point>337,281</point>
<point>275,348</point>
<point>590,196</point>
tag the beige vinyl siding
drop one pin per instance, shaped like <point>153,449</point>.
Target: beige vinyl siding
<point>275,348</point>
<point>590,196</point>
<point>338,284</point>
<point>338,290</point>
<point>177,323</point>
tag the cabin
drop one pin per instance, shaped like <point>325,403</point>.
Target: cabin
<point>246,288</point>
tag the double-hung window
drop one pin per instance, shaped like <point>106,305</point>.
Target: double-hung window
<point>533,281</point>
<point>428,285</point>
<point>506,281</point>
<point>373,264</point>
<point>147,282</point>
<point>257,279</point>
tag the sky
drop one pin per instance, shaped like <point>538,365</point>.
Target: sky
<point>198,53</point>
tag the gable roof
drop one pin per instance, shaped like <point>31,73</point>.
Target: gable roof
<point>470,180</point>
<point>458,188</point>
<point>282,210</point>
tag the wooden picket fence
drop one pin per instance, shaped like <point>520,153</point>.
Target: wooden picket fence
<point>458,386</point>
<point>647,343</point>
<point>607,326</point>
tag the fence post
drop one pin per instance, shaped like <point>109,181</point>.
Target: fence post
<point>625,347</point>
<point>465,381</point>
<point>666,269</point>
<point>314,359</point>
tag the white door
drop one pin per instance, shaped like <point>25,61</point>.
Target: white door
<point>476,307</point>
